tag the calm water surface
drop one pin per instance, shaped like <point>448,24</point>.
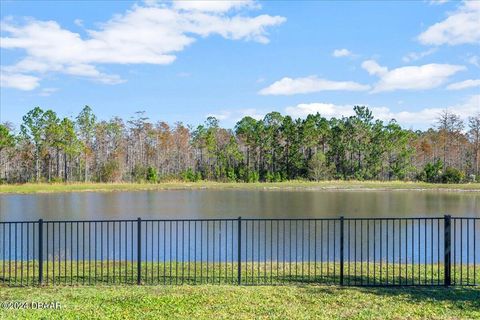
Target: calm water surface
<point>234,203</point>
<point>292,240</point>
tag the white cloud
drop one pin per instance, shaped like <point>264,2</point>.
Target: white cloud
<point>419,119</point>
<point>328,110</point>
<point>374,68</point>
<point>464,84</point>
<point>422,118</point>
<point>425,117</point>
<point>337,53</point>
<point>289,86</point>
<point>411,77</point>
<point>414,56</point>
<point>18,81</point>
<point>142,35</point>
<point>461,27</point>
<point>212,5</point>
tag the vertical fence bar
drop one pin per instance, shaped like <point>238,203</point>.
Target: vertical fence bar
<point>341,250</point>
<point>139,251</point>
<point>448,245</point>
<point>239,251</point>
<point>40,251</point>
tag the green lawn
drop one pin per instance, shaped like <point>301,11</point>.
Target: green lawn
<point>323,185</point>
<point>298,293</point>
<point>245,302</point>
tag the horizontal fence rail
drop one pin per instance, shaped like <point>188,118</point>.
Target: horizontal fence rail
<point>341,251</point>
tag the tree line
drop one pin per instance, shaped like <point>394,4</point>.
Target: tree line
<point>276,148</point>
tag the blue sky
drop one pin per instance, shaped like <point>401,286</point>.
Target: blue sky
<point>183,61</point>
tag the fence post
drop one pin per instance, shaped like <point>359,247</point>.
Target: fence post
<point>40,251</point>
<point>447,250</point>
<point>139,251</point>
<point>341,251</point>
<point>239,253</point>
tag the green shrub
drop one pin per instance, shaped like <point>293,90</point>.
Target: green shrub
<point>231,176</point>
<point>110,171</point>
<point>139,173</point>
<point>152,175</point>
<point>253,176</point>
<point>191,176</point>
<point>318,168</point>
<point>452,175</point>
<point>432,172</point>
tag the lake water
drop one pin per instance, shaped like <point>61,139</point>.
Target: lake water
<point>407,241</point>
<point>176,204</point>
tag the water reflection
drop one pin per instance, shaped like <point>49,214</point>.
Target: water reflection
<point>234,203</point>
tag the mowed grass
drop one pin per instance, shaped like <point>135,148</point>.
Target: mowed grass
<point>288,185</point>
<point>297,292</point>
<point>244,302</point>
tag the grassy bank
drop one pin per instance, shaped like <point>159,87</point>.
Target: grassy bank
<point>233,302</point>
<point>306,185</point>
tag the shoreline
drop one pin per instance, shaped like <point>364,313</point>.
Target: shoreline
<point>42,188</point>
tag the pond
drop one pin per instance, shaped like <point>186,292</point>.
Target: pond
<point>175,204</point>
<point>405,241</point>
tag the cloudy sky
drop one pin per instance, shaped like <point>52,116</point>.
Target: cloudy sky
<point>186,60</point>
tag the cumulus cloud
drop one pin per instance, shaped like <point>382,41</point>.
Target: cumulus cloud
<point>374,68</point>
<point>460,27</point>
<point>289,86</point>
<point>464,84</point>
<point>328,110</point>
<point>337,53</point>
<point>416,119</point>
<point>18,81</point>
<point>411,77</point>
<point>146,34</point>
<point>420,119</point>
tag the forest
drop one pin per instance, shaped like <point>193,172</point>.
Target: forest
<point>47,148</point>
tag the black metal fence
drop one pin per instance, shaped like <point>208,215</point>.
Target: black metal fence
<point>344,251</point>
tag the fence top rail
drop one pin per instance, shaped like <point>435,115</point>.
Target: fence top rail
<point>236,219</point>
<point>22,222</point>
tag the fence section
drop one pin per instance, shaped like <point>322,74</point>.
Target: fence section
<point>342,251</point>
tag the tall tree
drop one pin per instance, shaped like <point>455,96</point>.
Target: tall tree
<point>86,126</point>
<point>7,139</point>
<point>474,135</point>
<point>275,148</point>
<point>449,125</point>
<point>69,143</point>
<point>33,129</point>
